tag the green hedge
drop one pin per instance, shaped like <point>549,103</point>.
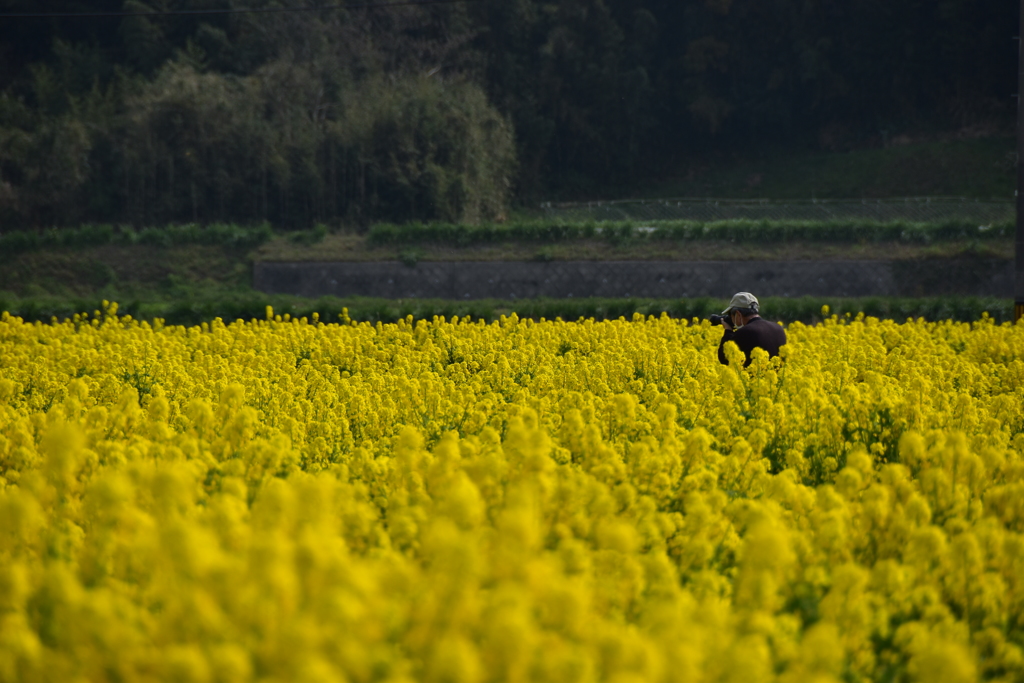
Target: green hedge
<point>386,234</point>
<point>254,305</point>
<point>751,231</point>
<point>100,235</point>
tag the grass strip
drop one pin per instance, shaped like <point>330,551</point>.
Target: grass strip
<point>749,231</point>
<point>220,234</point>
<point>532,232</point>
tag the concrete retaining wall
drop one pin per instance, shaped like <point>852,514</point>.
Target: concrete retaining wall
<point>656,279</point>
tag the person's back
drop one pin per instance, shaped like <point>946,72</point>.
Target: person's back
<point>744,326</point>
<point>757,333</point>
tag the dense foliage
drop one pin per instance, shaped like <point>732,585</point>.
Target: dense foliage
<point>437,111</point>
<point>463,503</point>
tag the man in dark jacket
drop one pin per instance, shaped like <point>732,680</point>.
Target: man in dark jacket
<point>748,329</point>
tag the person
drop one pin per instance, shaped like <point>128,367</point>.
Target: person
<point>744,325</point>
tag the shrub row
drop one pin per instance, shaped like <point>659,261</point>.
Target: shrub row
<point>222,234</point>
<point>751,231</point>
<point>385,234</point>
<point>330,309</point>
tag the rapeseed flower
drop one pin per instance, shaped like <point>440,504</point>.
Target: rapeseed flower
<point>516,501</point>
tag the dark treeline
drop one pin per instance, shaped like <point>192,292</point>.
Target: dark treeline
<point>453,111</point>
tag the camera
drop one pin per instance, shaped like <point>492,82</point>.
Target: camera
<point>717,319</point>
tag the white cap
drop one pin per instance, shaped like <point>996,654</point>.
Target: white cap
<point>742,300</point>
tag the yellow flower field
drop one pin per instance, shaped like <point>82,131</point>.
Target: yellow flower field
<point>460,502</point>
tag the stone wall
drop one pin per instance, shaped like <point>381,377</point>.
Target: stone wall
<point>654,279</point>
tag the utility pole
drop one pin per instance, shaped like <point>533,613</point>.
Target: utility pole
<point>1018,302</point>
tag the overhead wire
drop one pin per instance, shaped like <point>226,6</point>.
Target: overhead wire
<point>231,10</point>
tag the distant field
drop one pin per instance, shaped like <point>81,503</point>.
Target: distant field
<point>171,272</point>
<point>978,168</point>
<point>192,272</point>
<point>187,276</point>
<point>192,284</point>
